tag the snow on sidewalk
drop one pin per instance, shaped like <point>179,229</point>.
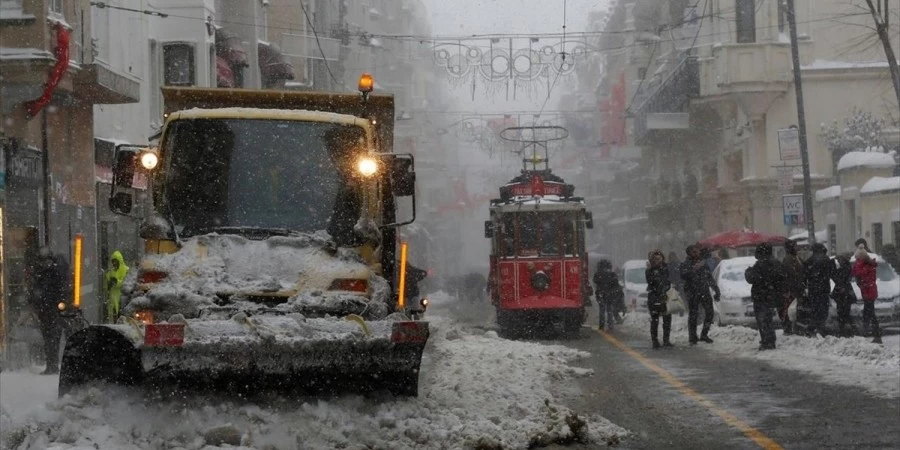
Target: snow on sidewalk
<point>840,361</point>
<point>476,391</point>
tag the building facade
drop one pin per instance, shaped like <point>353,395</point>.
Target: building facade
<point>713,85</point>
<point>50,81</point>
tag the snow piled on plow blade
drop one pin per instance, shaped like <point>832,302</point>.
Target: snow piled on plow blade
<point>477,391</point>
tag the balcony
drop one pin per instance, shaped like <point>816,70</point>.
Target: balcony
<point>103,85</point>
<point>664,107</point>
<point>755,73</point>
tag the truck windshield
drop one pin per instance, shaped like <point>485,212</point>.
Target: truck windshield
<point>262,174</point>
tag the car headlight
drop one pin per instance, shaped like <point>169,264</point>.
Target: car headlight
<point>540,281</point>
<point>367,166</point>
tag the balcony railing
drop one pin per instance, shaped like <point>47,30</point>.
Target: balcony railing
<point>670,96</point>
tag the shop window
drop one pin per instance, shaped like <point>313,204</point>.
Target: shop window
<point>877,237</point>
<point>745,10</point>
<point>178,64</point>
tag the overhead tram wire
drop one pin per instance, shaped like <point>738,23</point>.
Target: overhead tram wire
<point>422,39</point>
<point>563,61</point>
<point>319,44</point>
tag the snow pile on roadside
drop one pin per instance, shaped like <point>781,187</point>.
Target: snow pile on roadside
<point>476,391</point>
<point>841,361</point>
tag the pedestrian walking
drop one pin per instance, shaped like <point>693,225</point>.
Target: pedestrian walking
<point>767,280</point>
<point>795,284</point>
<point>51,284</point>
<point>843,294</point>
<point>114,278</point>
<point>818,272</point>
<point>658,285</point>
<point>698,282</point>
<point>608,292</point>
<point>864,269</point>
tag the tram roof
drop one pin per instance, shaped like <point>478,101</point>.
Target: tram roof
<point>546,203</point>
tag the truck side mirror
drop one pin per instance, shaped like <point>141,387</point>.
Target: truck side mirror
<point>121,203</point>
<point>124,165</point>
<point>403,176</point>
<point>589,220</point>
<point>488,229</point>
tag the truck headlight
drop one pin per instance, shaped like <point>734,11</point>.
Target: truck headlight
<point>149,160</point>
<point>367,166</point>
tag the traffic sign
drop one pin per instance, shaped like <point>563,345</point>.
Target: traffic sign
<point>786,179</point>
<point>794,212</point>
<point>789,144</point>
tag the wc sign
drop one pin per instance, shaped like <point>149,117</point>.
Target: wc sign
<point>794,212</point>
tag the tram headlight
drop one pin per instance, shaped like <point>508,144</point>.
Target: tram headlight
<point>540,281</point>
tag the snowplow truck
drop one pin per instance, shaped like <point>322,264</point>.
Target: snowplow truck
<point>270,256</point>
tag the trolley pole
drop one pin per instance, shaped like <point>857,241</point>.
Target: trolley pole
<point>801,119</point>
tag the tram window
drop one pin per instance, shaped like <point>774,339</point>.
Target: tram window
<point>550,234</point>
<point>568,234</point>
<point>507,235</point>
<point>529,234</point>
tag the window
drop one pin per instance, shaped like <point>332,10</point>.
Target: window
<point>56,6</point>
<point>877,237</point>
<point>745,19</point>
<point>896,230</point>
<point>178,64</point>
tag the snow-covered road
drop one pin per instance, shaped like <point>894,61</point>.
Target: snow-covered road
<point>477,391</point>
<point>839,361</point>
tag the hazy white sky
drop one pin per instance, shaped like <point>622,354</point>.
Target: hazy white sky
<point>466,17</point>
<point>508,16</point>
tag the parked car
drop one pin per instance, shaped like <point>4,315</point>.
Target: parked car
<point>735,306</point>
<point>635,282</point>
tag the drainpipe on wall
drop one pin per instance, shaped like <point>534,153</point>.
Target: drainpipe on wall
<point>45,162</point>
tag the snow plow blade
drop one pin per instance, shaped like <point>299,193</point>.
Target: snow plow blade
<point>302,357</point>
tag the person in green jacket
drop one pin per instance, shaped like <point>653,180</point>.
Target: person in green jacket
<point>114,278</point>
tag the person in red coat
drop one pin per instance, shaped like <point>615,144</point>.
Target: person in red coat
<point>864,269</point>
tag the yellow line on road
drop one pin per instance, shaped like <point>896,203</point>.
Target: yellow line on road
<point>755,435</point>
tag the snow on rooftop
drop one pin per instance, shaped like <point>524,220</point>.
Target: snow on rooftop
<point>872,160</point>
<point>822,64</point>
<point>828,193</point>
<point>881,184</point>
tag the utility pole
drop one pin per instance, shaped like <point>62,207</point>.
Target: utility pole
<point>801,119</point>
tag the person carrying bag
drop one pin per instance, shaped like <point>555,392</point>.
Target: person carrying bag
<point>658,288</point>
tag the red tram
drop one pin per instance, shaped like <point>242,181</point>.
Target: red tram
<point>539,265</point>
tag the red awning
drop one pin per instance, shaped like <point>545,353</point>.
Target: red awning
<point>272,66</point>
<point>224,74</point>
<point>734,239</point>
<point>229,48</point>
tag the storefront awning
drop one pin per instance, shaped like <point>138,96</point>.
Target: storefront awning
<point>272,66</point>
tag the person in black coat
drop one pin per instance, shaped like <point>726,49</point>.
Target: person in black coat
<point>796,283</point>
<point>767,279</point>
<point>674,276</point>
<point>658,284</point>
<point>608,292</point>
<point>843,294</point>
<point>414,276</point>
<point>698,281</point>
<point>817,272</point>
<point>50,284</point>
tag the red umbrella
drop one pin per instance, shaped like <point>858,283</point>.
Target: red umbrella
<point>734,239</point>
